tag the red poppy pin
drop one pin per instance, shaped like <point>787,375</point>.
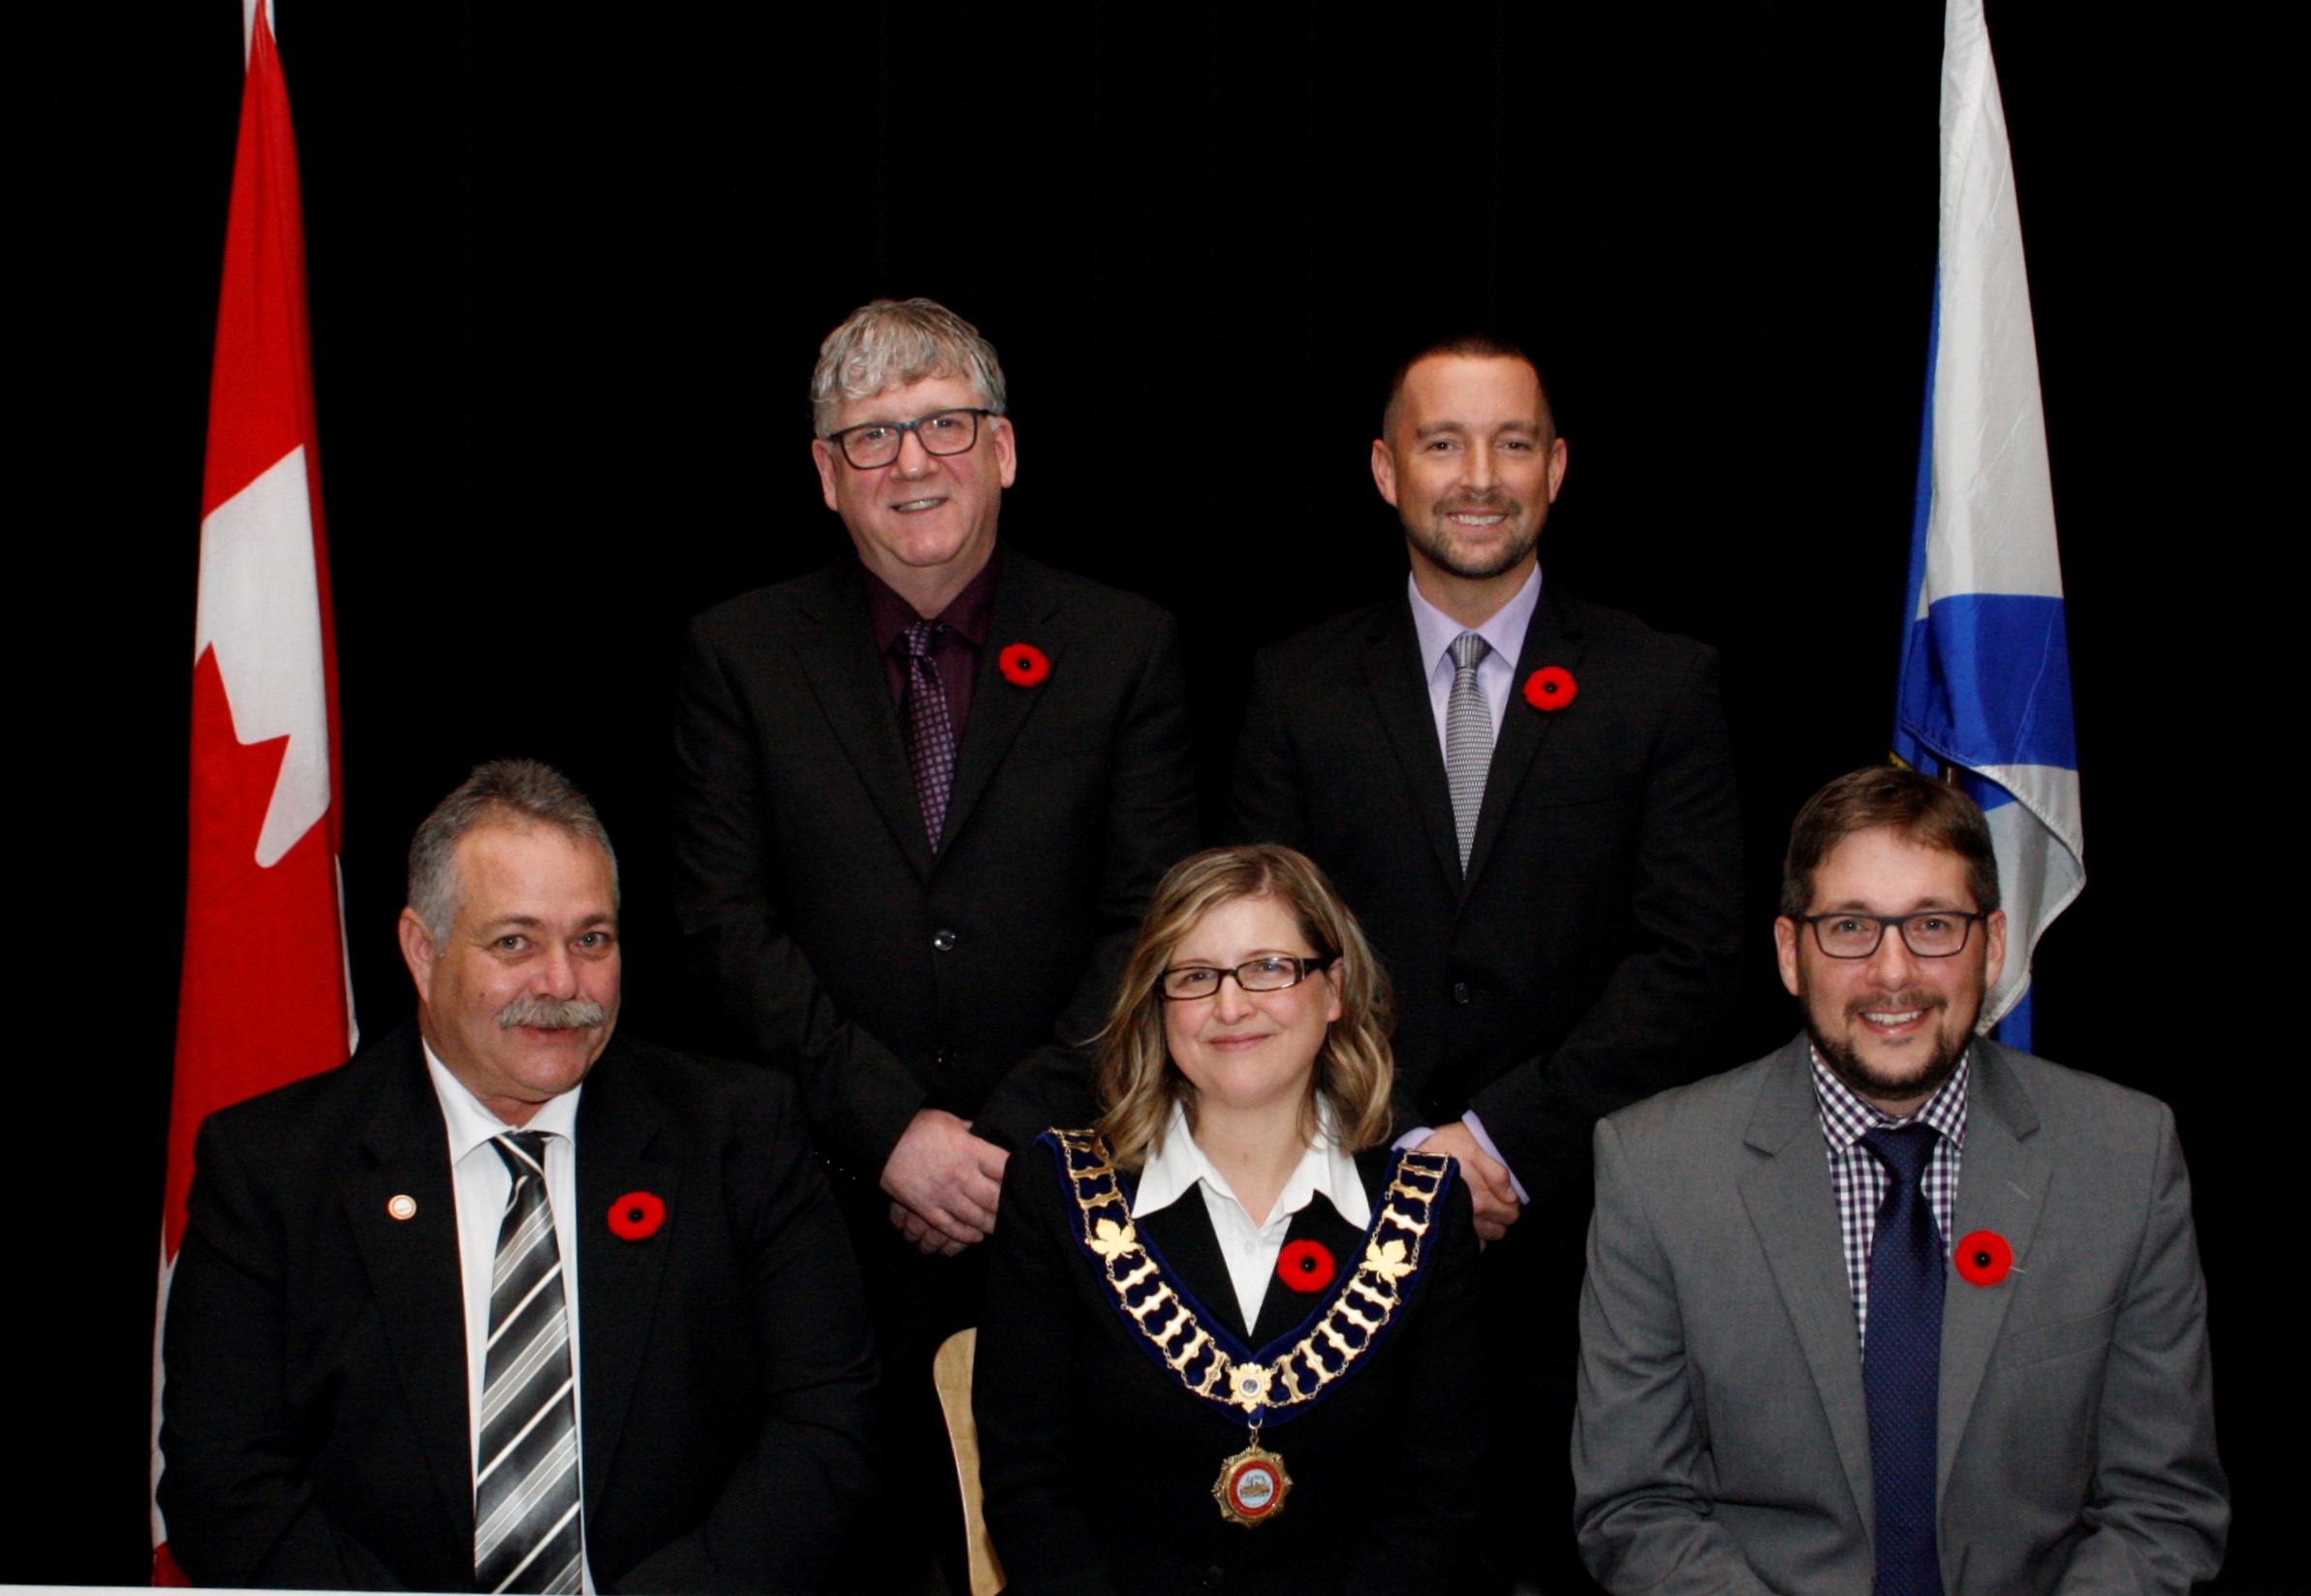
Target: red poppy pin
<point>637,1216</point>
<point>1305,1265</point>
<point>1984,1258</point>
<point>1552,687</point>
<point>1023,665</point>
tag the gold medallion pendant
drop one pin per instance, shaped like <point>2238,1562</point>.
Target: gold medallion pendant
<point>1252,1487</point>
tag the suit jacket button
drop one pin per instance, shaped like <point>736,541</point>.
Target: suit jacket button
<point>944,940</point>
<point>1214,1576</point>
<point>1460,991</point>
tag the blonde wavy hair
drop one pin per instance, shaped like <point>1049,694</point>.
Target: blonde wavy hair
<point>1355,1068</point>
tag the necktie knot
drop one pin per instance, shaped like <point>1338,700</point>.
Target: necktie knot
<point>524,1152</point>
<point>923,637</point>
<point>1903,1149</point>
<point>1469,650</point>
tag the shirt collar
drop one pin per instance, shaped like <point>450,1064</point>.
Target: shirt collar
<point>1177,1164</point>
<point>1504,632</point>
<point>969,615</point>
<point>471,1125</point>
<point>1846,1117</point>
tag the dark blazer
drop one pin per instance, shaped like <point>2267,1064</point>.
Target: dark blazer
<point>1594,947</point>
<point>886,980</point>
<point>1724,1437</point>
<point>314,1420</point>
<point>1098,1467</point>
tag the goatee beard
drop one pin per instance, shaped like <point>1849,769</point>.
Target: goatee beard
<point>1846,1063</point>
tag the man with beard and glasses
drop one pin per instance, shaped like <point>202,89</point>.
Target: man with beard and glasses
<point>1529,801</point>
<point>508,1302</point>
<point>1895,1309</point>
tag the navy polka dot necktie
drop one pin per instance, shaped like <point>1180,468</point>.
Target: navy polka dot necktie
<point>1902,1366</point>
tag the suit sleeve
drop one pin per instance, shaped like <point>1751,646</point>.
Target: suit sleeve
<point>1431,1505</point>
<point>1031,1461</point>
<point>1642,1502</point>
<point>2160,1510</point>
<point>1151,826</point>
<point>780,1521</point>
<point>1651,1027</point>
<point>237,1485</point>
<point>860,1096</point>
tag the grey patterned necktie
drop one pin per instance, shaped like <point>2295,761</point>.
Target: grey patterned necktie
<point>1468,740</point>
<point>930,729</point>
<point>528,1531</point>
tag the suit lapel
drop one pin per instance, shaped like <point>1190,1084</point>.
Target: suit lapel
<point>1549,639</point>
<point>2002,1187</point>
<point>413,1268</point>
<point>618,1280</point>
<point>1792,1207</point>
<point>1281,1307</point>
<point>836,651</point>
<point>1026,610</point>
<point>1182,1233</point>
<point>1396,678</point>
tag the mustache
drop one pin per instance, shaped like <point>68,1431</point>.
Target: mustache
<point>1884,1003</point>
<point>551,1014</point>
<point>1495,503</point>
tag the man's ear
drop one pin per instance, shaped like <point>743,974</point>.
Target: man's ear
<point>1784,952</point>
<point>417,952</point>
<point>1384,469</point>
<point>822,454</point>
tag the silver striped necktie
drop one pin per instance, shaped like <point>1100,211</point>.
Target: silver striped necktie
<point>1468,740</point>
<point>528,1531</point>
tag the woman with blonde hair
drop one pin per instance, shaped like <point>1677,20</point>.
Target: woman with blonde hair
<point>1228,1339</point>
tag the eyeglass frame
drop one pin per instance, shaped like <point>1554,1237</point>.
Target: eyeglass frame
<point>1312,964</point>
<point>1899,924</point>
<point>842,439</point>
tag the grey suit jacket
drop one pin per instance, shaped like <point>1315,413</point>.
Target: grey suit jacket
<point>1722,1443</point>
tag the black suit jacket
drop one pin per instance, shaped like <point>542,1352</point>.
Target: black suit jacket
<point>314,1422</point>
<point>1593,947</point>
<point>888,980</point>
<point>1099,1468</point>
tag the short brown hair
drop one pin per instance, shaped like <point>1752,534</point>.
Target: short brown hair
<point>1475,346</point>
<point>1354,1069</point>
<point>1893,797</point>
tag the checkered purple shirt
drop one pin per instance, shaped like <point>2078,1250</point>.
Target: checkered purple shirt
<point>1859,1181</point>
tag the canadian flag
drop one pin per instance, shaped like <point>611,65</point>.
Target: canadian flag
<point>265,997</point>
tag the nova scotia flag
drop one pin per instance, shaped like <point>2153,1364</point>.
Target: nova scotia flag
<point>1986,681</point>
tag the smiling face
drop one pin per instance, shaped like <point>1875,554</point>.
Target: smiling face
<point>520,996</point>
<point>1249,1052</point>
<point>924,522</point>
<point>1472,464</point>
<point>1891,1026</point>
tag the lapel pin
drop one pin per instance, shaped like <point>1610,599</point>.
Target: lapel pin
<point>1023,665</point>
<point>1984,1258</point>
<point>637,1216</point>
<point>1552,687</point>
<point>1305,1265</point>
<point>402,1205</point>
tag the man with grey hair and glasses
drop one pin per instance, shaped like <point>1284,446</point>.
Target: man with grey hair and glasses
<point>513,1301</point>
<point>924,794</point>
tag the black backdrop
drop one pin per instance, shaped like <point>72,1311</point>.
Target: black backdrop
<point>568,271</point>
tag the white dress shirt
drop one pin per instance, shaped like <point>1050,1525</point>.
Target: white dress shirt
<point>1496,673</point>
<point>481,1184</point>
<point>1251,1250</point>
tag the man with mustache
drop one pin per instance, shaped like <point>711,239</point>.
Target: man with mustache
<point>1896,1309</point>
<point>511,1302</point>
<point>1529,801</point>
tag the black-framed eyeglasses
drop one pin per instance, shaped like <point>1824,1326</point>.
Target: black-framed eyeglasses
<point>873,444</point>
<point>1930,933</point>
<point>1270,973</point>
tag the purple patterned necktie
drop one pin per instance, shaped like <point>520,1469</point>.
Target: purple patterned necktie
<point>930,731</point>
